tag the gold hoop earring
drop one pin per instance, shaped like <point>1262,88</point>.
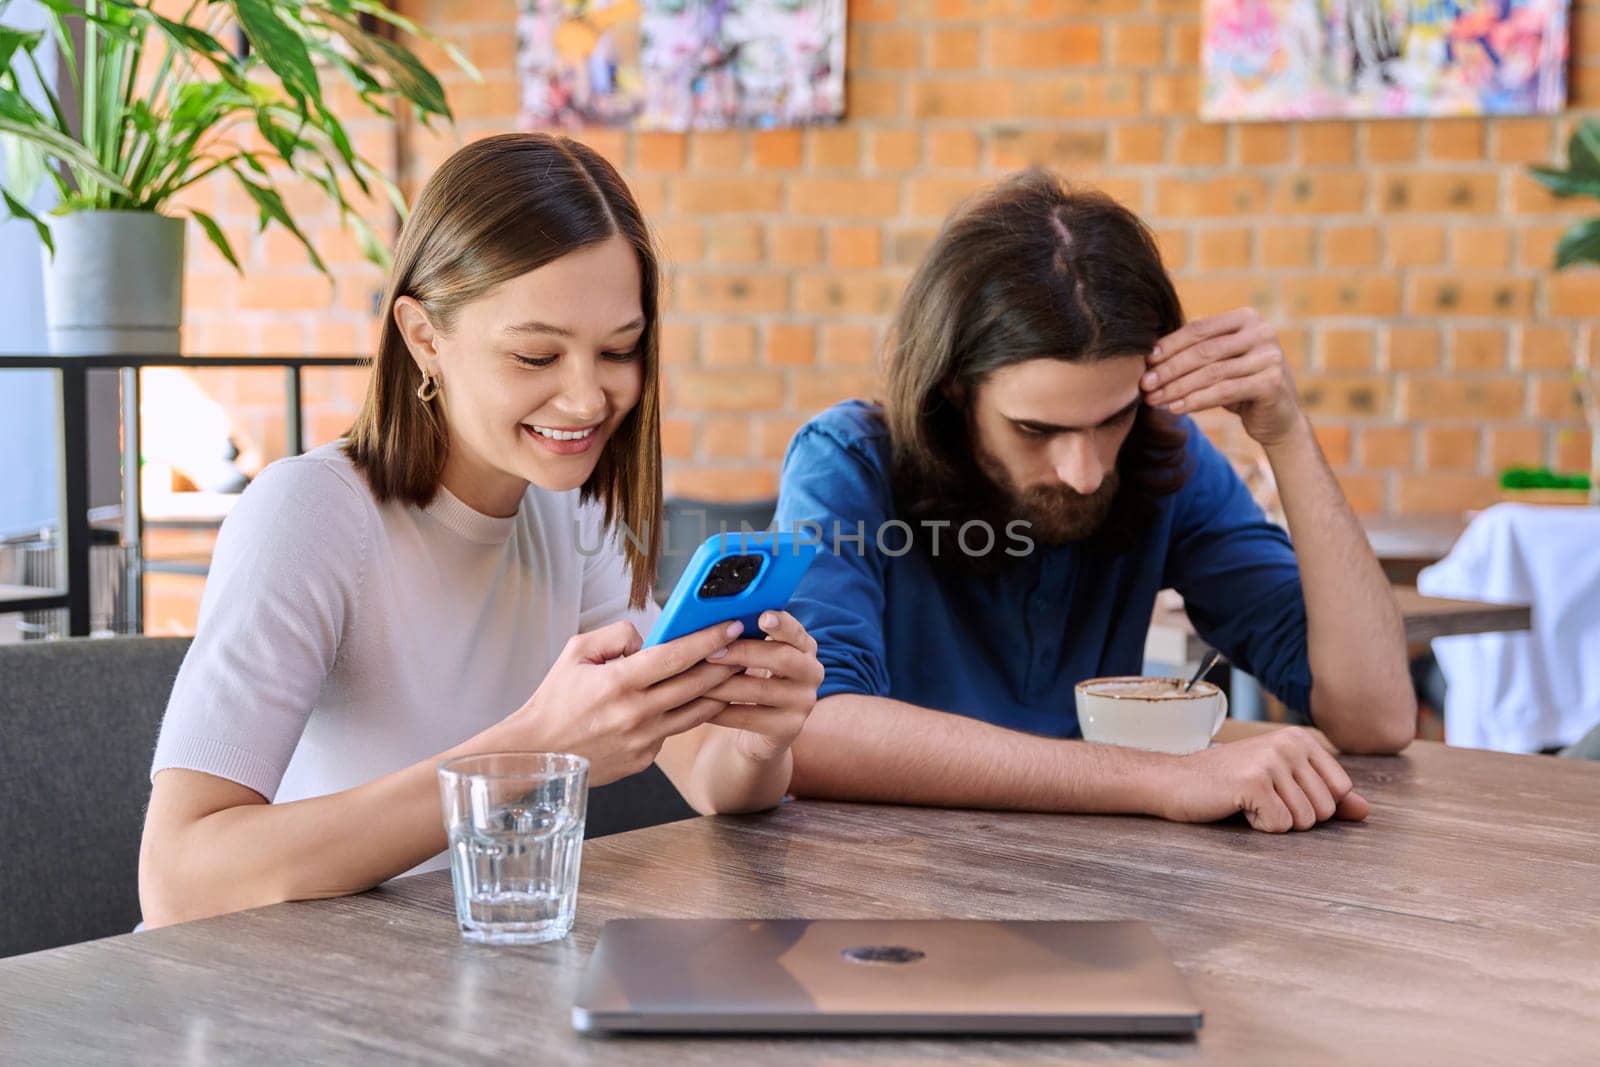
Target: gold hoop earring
<point>428,389</point>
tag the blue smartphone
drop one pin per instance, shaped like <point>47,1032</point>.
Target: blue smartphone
<point>733,576</point>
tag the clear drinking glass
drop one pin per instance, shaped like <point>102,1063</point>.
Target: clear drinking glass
<point>515,821</point>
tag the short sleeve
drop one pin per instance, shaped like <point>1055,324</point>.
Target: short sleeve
<point>284,583</point>
<point>840,601</point>
<point>1239,577</point>
<point>607,581</point>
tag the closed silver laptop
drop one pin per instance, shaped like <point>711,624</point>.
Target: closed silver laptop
<point>891,976</point>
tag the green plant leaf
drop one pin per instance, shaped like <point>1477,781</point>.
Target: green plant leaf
<point>406,73</point>
<point>50,97</point>
<point>1580,244</point>
<point>191,39</point>
<point>333,56</point>
<point>115,23</point>
<point>203,103</point>
<point>283,140</point>
<point>1583,151</point>
<point>20,108</point>
<point>218,238</point>
<point>25,168</point>
<point>272,210</point>
<point>381,11</point>
<point>20,210</point>
<point>372,246</point>
<point>280,47</point>
<point>392,190</point>
<point>19,117</point>
<point>143,119</point>
<point>370,89</point>
<point>13,41</point>
<point>334,130</point>
<point>415,81</point>
<point>64,44</point>
<point>1565,182</point>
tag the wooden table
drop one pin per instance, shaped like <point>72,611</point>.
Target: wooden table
<point>1428,617</point>
<point>1404,544</point>
<point>1172,637</point>
<point>1458,925</point>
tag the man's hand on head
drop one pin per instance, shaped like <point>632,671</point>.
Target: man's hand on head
<point>1231,361</point>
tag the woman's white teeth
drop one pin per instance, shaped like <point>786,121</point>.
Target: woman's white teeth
<point>563,435</point>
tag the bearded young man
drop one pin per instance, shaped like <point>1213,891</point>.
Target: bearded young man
<point>997,530</point>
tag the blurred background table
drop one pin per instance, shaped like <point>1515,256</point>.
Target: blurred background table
<point>1173,638</point>
<point>1405,544</point>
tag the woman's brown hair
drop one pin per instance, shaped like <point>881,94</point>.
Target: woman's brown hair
<point>497,209</point>
<point>1029,269</point>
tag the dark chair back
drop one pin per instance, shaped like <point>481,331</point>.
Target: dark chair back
<point>689,522</point>
<point>644,799</point>
<point>78,725</point>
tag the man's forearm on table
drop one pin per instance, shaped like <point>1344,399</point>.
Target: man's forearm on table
<point>875,749</point>
<point>1361,693</point>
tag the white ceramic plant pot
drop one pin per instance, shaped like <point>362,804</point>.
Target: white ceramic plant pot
<point>115,283</point>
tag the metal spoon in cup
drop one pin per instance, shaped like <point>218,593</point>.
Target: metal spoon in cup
<point>1210,661</point>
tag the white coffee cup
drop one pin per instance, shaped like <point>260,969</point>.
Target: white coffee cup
<point>1150,713</point>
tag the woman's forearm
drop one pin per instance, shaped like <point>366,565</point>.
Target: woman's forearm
<point>247,853</point>
<point>206,851</point>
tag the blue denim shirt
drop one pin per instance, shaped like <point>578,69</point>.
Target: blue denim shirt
<point>1008,647</point>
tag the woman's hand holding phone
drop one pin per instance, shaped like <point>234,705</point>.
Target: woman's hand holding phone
<point>612,701</point>
<point>772,698</point>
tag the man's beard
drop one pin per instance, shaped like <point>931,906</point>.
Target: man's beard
<point>1056,514</point>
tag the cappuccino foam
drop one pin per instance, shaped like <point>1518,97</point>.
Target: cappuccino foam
<point>1151,689</point>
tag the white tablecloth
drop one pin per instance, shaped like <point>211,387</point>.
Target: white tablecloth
<point>1522,692</point>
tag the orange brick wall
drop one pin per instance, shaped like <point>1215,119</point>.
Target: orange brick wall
<point>1406,263</point>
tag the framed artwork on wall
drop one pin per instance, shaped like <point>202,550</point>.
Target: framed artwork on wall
<point>1310,59</point>
<point>681,64</point>
<point>578,62</point>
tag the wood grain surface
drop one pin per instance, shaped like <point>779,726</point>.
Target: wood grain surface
<point>1427,617</point>
<point>1460,924</point>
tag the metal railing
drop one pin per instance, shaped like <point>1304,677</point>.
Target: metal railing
<point>73,457</point>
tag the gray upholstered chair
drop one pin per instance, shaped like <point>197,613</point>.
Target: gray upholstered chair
<point>78,726</point>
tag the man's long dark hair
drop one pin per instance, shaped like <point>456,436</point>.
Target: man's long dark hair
<point>1030,269</point>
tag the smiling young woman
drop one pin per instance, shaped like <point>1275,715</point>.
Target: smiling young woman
<point>392,600</point>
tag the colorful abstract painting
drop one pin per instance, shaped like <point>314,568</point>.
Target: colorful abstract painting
<point>681,64</point>
<point>578,62</point>
<point>714,63</point>
<point>1299,59</point>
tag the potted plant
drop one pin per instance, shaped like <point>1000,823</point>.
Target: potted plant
<point>1540,485</point>
<point>1581,244</point>
<point>148,105</point>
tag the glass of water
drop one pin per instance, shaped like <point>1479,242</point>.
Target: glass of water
<point>515,821</point>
